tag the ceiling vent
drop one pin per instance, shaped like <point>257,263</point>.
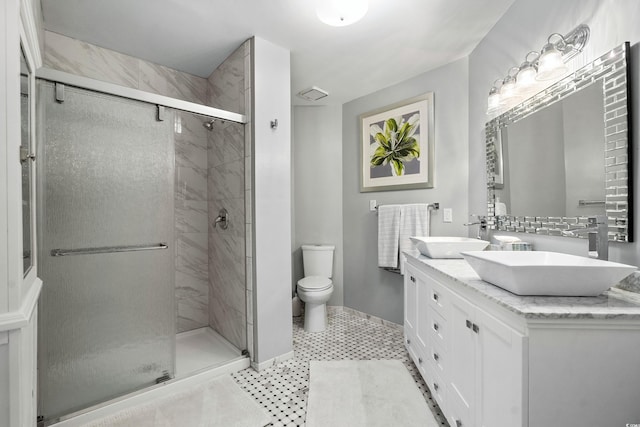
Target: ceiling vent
<point>313,94</point>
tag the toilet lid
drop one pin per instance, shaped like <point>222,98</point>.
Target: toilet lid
<point>315,283</point>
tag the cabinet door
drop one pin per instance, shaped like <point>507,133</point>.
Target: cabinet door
<point>410,309</point>
<point>500,373</point>
<point>462,361</point>
<point>422,323</point>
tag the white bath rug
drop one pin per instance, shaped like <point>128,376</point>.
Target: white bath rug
<point>219,403</point>
<point>365,393</point>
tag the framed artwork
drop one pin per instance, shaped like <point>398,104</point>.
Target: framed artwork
<point>397,146</point>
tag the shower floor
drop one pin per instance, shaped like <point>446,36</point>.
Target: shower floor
<point>200,349</point>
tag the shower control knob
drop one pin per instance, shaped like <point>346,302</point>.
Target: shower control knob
<point>222,219</point>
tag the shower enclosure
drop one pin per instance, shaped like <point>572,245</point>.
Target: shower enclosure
<point>107,193</point>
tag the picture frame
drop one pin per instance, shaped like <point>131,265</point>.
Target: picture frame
<point>397,146</point>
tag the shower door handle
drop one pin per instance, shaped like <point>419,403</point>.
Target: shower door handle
<point>108,249</point>
<point>222,219</point>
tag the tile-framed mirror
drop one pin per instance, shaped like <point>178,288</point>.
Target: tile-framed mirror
<point>564,154</point>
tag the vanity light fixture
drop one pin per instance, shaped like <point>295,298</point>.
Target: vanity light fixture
<point>339,13</point>
<point>548,64</point>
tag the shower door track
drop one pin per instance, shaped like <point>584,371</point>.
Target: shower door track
<point>57,76</point>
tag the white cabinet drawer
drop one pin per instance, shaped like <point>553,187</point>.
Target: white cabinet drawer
<point>438,388</point>
<point>437,357</point>
<point>437,328</point>
<point>439,297</point>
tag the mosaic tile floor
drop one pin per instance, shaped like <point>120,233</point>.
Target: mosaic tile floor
<point>282,390</point>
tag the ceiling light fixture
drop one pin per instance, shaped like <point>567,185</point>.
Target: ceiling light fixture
<point>548,64</point>
<point>339,13</point>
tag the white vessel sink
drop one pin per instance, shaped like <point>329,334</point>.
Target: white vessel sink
<point>547,273</point>
<point>447,247</point>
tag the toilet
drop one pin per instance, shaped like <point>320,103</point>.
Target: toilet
<point>316,287</point>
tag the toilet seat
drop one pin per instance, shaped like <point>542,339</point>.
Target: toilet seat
<point>315,283</point>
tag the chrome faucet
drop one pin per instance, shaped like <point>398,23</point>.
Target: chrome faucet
<point>598,233</point>
<point>483,229</point>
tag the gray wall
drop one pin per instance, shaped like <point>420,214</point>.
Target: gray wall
<point>525,27</point>
<point>366,287</point>
<point>317,183</point>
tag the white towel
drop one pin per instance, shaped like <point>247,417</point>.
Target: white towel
<point>414,221</point>
<point>388,235</point>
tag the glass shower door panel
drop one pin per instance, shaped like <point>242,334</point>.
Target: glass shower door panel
<point>106,320</point>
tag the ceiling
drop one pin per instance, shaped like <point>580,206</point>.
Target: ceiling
<point>396,40</point>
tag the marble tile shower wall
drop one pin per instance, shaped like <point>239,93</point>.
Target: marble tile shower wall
<point>191,222</point>
<point>227,186</point>
<point>84,59</point>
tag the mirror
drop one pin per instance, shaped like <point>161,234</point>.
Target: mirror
<point>563,154</point>
<point>25,160</point>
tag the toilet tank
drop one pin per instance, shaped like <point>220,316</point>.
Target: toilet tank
<point>318,260</point>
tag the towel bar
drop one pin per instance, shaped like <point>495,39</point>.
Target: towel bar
<point>430,206</point>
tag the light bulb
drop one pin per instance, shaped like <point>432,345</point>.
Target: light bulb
<point>550,65</point>
<point>508,89</point>
<point>526,79</point>
<point>339,13</point>
<point>493,102</point>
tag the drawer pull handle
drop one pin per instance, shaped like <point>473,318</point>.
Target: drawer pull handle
<point>408,341</point>
<point>458,423</point>
<point>468,322</point>
<point>435,296</point>
<point>476,328</point>
<point>436,386</point>
<point>436,357</point>
<point>413,279</point>
<point>435,327</point>
<point>420,360</point>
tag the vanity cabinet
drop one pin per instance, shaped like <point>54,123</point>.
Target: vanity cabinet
<point>495,359</point>
<point>471,361</point>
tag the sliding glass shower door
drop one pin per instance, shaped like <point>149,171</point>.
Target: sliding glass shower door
<point>105,231</point>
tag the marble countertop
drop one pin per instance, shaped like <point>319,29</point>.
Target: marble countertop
<point>612,304</point>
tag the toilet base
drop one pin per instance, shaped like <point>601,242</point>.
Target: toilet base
<point>315,317</point>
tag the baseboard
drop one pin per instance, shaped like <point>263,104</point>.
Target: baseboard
<point>369,317</point>
<point>271,362</point>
